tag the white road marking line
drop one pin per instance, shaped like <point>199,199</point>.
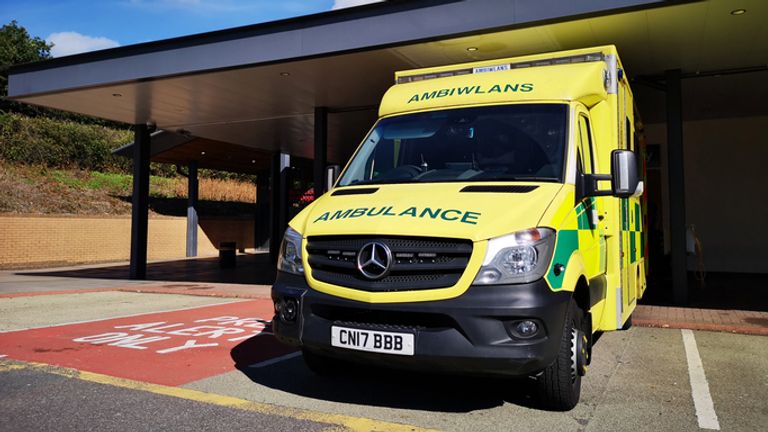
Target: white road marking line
<point>122,316</point>
<point>276,360</point>
<point>702,399</point>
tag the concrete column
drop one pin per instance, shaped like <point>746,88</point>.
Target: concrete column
<point>193,188</point>
<point>676,175</point>
<point>262,216</point>
<point>140,202</point>
<point>321,149</point>
<point>281,163</point>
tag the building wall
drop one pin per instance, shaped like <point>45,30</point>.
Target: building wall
<point>45,241</point>
<point>725,201</point>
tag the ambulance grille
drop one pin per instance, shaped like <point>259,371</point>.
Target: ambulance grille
<point>419,263</point>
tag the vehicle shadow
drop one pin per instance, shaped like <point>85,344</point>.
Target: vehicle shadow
<point>381,387</point>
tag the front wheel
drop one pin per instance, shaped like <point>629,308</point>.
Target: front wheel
<point>559,385</point>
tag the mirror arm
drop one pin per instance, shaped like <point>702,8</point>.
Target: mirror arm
<point>590,182</point>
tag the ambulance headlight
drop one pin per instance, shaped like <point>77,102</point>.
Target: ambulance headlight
<point>289,259</point>
<point>517,258</point>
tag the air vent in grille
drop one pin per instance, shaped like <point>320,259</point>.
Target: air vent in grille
<point>418,263</point>
<point>500,188</point>
<point>358,191</point>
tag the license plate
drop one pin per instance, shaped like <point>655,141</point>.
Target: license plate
<point>372,340</point>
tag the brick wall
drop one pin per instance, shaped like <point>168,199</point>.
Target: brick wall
<point>46,241</point>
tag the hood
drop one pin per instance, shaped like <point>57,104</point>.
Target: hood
<point>475,211</point>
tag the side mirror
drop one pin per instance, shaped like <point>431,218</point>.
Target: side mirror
<point>624,180</point>
<point>331,175</point>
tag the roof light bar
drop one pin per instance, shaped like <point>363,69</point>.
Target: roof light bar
<point>584,58</point>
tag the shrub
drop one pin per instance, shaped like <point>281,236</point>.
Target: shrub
<point>61,143</point>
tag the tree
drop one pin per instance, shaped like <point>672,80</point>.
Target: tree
<point>16,47</point>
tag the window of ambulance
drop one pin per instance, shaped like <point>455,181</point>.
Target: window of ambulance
<point>522,142</point>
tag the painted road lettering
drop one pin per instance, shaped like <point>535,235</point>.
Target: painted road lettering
<point>169,348</point>
<point>244,327</point>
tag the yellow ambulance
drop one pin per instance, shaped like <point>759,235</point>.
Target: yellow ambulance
<point>490,223</point>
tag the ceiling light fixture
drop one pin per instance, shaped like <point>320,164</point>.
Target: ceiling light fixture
<point>738,12</point>
<point>285,74</point>
<point>117,94</point>
<point>472,49</point>
<point>202,153</point>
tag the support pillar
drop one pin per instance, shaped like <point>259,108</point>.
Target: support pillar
<point>321,149</point>
<point>281,163</point>
<point>676,175</point>
<point>140,202</point>
<point>262,215</point>
<point>193,188</point>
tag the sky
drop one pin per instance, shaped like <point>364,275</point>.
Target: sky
<point>76,26</point>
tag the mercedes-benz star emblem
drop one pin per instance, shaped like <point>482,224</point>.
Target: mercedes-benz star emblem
<point>374,260</point>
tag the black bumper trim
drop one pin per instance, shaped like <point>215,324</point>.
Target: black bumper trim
<point>469,334</point>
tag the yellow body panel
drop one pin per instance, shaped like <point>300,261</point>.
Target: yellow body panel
<point>430,210</point>
<point>544,83</point>
<point>598,240</point>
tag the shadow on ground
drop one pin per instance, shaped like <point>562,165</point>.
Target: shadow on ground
<point>373,386</point>
<point>250,269</point>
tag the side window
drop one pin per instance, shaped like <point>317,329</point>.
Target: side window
<point>579,163</point>
<point>585,145</point>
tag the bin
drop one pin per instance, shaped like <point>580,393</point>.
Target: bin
<point>227,254</point>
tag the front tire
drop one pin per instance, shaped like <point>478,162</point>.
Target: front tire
<point>559,385</point>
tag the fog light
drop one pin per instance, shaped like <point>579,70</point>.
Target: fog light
<point>289,309</point>
<point>278,306</point>
<point>526,328</point>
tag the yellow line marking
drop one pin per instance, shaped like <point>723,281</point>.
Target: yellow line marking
<point>338,422</point>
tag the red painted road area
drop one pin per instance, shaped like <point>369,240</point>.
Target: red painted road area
<point>169,348</point>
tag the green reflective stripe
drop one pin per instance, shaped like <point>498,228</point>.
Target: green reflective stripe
<point>583,221</point>
<point>642,245</point>
<point>584,214</point>
<point>567,243</point>
<point>632,253</point>
<point>624,215</point>
<point>638,218</point>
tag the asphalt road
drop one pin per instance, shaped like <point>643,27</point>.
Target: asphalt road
<point>642,379</point>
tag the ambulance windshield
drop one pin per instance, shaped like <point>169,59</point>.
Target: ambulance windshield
<point>524,142</point>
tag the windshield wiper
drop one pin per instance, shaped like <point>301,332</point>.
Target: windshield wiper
<point>507,178</point>
<point>382,181</point>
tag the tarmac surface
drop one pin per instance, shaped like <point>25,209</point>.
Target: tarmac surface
<point>183,356</point>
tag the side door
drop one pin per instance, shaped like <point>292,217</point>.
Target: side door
<point>632,245</point>
<point>591,236</point>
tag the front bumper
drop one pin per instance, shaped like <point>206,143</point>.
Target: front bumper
<point>471,334</point>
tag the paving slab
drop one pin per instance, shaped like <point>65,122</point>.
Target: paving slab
<point>648,389</point>
<point>433,401</point>
<point>737,371</point>
<point>728,320</point>
<point>18,313</point>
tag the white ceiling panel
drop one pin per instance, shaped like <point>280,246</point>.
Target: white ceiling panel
<point>262,107</point>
